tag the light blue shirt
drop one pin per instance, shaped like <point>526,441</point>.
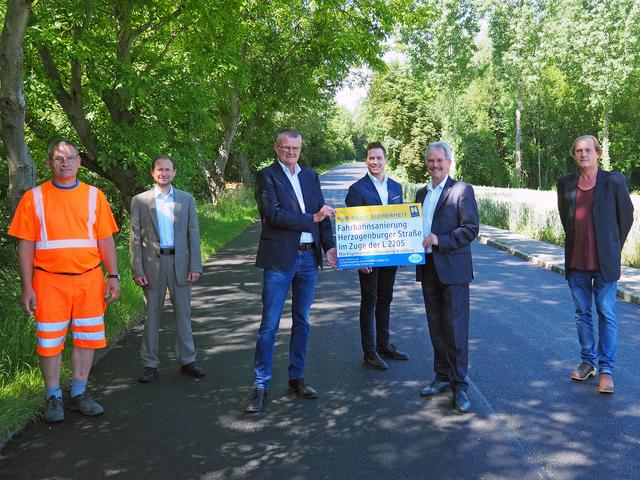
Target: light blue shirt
<point>305,237</point>
<point>381,187</point>
<point>429,206</point>
<point>164,211</point>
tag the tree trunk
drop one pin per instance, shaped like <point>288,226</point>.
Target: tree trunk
<point>519,142</point>
<point>22,170</point>
<point>215,173</point>
<point>245,171</point>
<point>606,159</point>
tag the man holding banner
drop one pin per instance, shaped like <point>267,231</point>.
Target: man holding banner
<point>376,283</point>
<point>451,223</point>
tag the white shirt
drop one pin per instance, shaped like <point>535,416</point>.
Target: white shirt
<point>305,237</point>
<point>429,206</point>
<point>164,212</point>
<point>381,187</point>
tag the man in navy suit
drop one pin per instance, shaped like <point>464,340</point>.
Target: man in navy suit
<point>296,227</point>
<point>376,284</point>
<point>596,213</point>
<point>451,223</point>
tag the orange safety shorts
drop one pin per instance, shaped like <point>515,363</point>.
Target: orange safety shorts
<point>61,299</point>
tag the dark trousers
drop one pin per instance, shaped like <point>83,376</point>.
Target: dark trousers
<point>447,308</point>
<point>376,294</point>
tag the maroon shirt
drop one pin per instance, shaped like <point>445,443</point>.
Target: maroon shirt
<point>584,255</point>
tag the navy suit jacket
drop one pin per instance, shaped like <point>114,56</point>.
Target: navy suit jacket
<point>456,224</point>
<point>363,193</point>
<point>612,218</point>
<point>282,219</point>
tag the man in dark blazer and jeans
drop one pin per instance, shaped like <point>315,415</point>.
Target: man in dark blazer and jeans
<point>451,223</point>
<point>596,213</point>
<point>295,229</point>
<point>376,284</point>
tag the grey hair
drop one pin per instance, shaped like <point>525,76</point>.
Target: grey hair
<point>444,146</point>
<point>288,132</point>
<point>53,146</point>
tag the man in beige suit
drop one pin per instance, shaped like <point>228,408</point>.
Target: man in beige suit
<point>165,253</point>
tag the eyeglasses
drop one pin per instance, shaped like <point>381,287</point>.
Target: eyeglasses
<point>289,149</point>
<point>60,160</point>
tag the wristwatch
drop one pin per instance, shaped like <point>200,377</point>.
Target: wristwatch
<point>115,275</point>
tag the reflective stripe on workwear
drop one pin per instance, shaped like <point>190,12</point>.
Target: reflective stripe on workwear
<point>46,244</point>
<point>51,327</point>
<point>88,335</point>
<point>88,322</point>
<point>51,342</point>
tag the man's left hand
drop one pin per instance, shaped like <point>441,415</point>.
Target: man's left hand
<point>112,290</point>
<point>193,277</point>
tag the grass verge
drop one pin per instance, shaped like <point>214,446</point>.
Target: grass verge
<point>21,384</point>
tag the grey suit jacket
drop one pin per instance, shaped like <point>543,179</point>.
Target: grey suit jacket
<point>144,239</point>
<point>612,218</point>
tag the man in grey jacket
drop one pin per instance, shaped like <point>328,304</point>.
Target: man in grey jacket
<point>165,253</point>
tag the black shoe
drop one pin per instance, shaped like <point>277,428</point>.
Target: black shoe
<point>373,360</point>
<point>148,375</point>
<point>302,389</point>
<point>461,402</point>
<point>193,370</point>
<point>434,387</point>
<point>392,353</point>
<point>255,403</point>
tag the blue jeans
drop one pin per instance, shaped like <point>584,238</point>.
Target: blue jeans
<point>585,285</point>
<point>275,288</point>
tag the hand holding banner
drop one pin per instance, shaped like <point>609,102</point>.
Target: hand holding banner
<point>379,236</point>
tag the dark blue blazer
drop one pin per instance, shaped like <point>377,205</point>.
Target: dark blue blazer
<point>612,218</point>
<point>456,224</point>
<point>282,219</point>
<point>363,193</point>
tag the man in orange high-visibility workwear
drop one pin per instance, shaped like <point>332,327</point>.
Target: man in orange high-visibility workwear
<point>65,229</point>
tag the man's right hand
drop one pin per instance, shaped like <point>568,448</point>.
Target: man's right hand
<point>324,212</point>
<point>28,301</point>
<point>365,270</point>
<point>141,281</point>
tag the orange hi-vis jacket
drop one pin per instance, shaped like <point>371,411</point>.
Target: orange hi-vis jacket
<point>65,225</point>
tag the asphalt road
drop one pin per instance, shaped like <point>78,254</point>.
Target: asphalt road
<point>529,421</point>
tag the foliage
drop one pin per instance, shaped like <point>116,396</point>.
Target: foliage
<point>566,68</point>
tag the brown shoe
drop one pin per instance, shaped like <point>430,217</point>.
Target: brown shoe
<point>606,383</point>
<point>583,372</point>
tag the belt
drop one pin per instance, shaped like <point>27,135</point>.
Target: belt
<point>67,273</point>
<point>303,247</point>
<point>167,251</point>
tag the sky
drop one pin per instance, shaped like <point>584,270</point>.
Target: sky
<point>355,87</point>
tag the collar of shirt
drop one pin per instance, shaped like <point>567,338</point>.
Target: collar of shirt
<point>157,193</point>
<point>288,172</point>
<point>441,185</point>
<point>378,182</point>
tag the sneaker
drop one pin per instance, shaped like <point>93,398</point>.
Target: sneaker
<point>583,372</point>
<point>53,409</point>
<point>86,405</point>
